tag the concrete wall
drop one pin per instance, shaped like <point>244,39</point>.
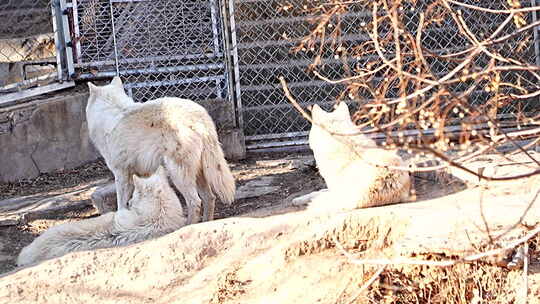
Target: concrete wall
<point>52,134</point>
<point>43,136</point>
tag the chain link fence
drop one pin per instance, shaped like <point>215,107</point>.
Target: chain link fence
<point>227,49</point>
<point>27,45</point>
<point>267,31</point>
<point>159,48</point>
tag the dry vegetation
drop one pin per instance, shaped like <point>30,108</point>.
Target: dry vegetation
<point>448,81</point>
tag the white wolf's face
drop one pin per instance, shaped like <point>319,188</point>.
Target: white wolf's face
<point>109,92</point>
<point>338,119</point>
<point>148,190</point>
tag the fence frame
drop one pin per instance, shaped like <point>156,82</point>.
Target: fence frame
<point>63,58</point>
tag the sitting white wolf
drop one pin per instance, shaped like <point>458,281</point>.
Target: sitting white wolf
<point>355,171</point>
<point>134,138</point>
<point>154,210</point>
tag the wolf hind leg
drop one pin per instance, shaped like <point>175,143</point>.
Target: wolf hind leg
<point>124,189</point>
<point>208,198</point>
<point>184,179</point>
<point>188,189</point>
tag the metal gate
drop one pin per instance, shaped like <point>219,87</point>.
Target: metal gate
<point>31,53</point>
<point>235,50</point>
<point>159,48</point>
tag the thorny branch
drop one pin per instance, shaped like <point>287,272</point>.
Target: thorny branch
<point>448,100</point>
<point>430,78</point>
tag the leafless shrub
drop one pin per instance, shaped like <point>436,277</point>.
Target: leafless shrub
<point>479,94</point>
<point>455,103</point>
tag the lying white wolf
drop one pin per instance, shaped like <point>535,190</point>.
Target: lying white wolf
<point>352,166</point>
<point>134,138</point>
<point>154,210</point>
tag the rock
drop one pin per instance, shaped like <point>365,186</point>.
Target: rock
<point>256,187</point>
<point>272,258</point>
<point>9,220</point>
<point>18,210</point>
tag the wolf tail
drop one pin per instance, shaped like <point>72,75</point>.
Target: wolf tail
<point>216,171</point>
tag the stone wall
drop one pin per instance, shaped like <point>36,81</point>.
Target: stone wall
<point>43,136</point>
<point>51,134</point>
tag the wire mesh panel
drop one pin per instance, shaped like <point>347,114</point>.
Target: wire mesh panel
<point>27,46</point>
<point>160,48</point>
<point>445,37</point>
<point>267,35</point>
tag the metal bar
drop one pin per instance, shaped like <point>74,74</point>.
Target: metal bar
<point>288,149</point>
<point>187,68</point>
<point>234,50</point>
<point>26,11</point>
<point>8,99</point>
<point>124,1</point>
<point>219,92</point>
<point>249,1</point>
<point>296,19</point>
<point>215,33</point>
<point>276,144</point>
<point>115,46</point>
<point>15,86</point>
<point>535,35</point>
<point>58,39</point>
<point>67,39</point>
<point>276,135</point>
<point>172,82</point>
<point>289,105</point>
<point>301,84</point>
<point>229,67</point>
<point>76,29</point>
<point>147,59</point>
<point>292,42</point>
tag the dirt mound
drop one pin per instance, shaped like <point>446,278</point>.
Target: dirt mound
<point>278,253</point>
<point>291,258</point>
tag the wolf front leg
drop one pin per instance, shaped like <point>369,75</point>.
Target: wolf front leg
<point>124,189</point>
<point>104,198</point>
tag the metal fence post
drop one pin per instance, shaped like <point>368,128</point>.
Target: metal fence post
<point>64,34</point>
<point>236,73</point>
<point>535,35</point>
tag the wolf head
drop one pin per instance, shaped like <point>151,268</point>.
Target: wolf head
<point>112,94</point>
<point>149,190</point>
<point>321,137</point>
<point>154,200</point>
<point>338,119</point>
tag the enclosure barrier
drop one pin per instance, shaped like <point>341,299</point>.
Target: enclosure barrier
<point>30,62</point>
<point>223,50</point>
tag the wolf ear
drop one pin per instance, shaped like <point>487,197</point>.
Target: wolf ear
<point>342,110</point>
<point>92,87</point>
<point>160,172</point>
<point>137,182</point>
<point>117,82</point>
<point>316,112</point>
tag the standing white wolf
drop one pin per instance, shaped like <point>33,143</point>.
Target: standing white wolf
<point>134,138</point>
<point>154,210</point>
<point>355,171</point>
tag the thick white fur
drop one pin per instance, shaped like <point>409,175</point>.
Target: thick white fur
<point>155,210</point>
<point>134,138</point>
<point>352,166</point>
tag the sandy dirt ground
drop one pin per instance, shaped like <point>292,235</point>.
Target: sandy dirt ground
<point>291,174</point>
<point>259,248</point>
